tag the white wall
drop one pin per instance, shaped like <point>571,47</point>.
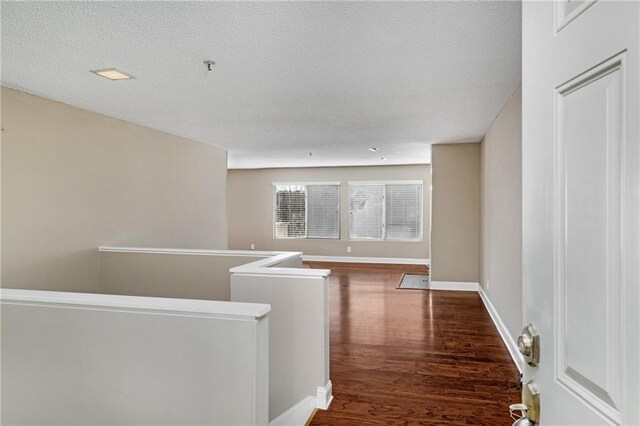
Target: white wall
<point>73,180</point>
<point>298,335</point>
<point>299,317</point>
<point>501,263</point>
<point>83,359</point>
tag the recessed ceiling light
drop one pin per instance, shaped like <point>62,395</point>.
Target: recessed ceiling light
<point>383,158</point>
<point>112,74</point>
<point>373,149</point>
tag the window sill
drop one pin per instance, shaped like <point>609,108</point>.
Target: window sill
<point>306,238</point>
<point>385,240</point>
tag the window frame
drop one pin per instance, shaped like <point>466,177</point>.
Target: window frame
<point>274,192</point>
<point>384,183</point>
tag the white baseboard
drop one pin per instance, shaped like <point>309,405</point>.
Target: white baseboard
<point>353,259</point>
<point>453,285</point>
<point>324,396</point>
<point>511,344</point>
<point>298,415</point>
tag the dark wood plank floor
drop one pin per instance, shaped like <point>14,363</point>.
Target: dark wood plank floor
<point>408,357</point>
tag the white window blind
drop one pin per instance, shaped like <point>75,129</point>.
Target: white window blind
<point>307,210</point>
<point>367,211</point>
<point>291,211</point>
<point>323,215</point>
<point>385,211</point>
<point>403,212</point>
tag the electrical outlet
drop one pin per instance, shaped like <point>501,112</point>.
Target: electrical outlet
<point>349,249</point>
<point>253,246</point>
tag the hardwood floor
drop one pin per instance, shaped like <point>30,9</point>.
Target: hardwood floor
<point>408,357</point>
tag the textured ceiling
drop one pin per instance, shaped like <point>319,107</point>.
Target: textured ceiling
<point>291,78</point>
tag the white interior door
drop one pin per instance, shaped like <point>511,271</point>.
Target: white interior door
<point>581,217</point>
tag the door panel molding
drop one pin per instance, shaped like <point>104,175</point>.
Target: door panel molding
<point>567,11</point>
<point>589,146</point>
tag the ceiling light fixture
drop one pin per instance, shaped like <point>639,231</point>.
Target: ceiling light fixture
<point>383,158</point>
<point>112,74</point>
<point>374,149</point>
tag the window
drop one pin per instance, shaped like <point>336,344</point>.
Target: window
<point>367,212</point>
<point>385,210</point>
<point>307,210</point>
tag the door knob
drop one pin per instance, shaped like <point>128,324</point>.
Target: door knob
<point>529,345</point>
<point>525,344</point>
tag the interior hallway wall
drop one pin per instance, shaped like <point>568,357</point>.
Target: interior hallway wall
<point>251,210</point>
<point>73,180</point>
<point>501,266</point>
<point>455,230</point>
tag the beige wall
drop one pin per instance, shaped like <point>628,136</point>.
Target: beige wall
<point>73,180</point>
<point>455,235</point>
<point>180,276</point>
<point>501,264</point>
<point>251,210</point>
